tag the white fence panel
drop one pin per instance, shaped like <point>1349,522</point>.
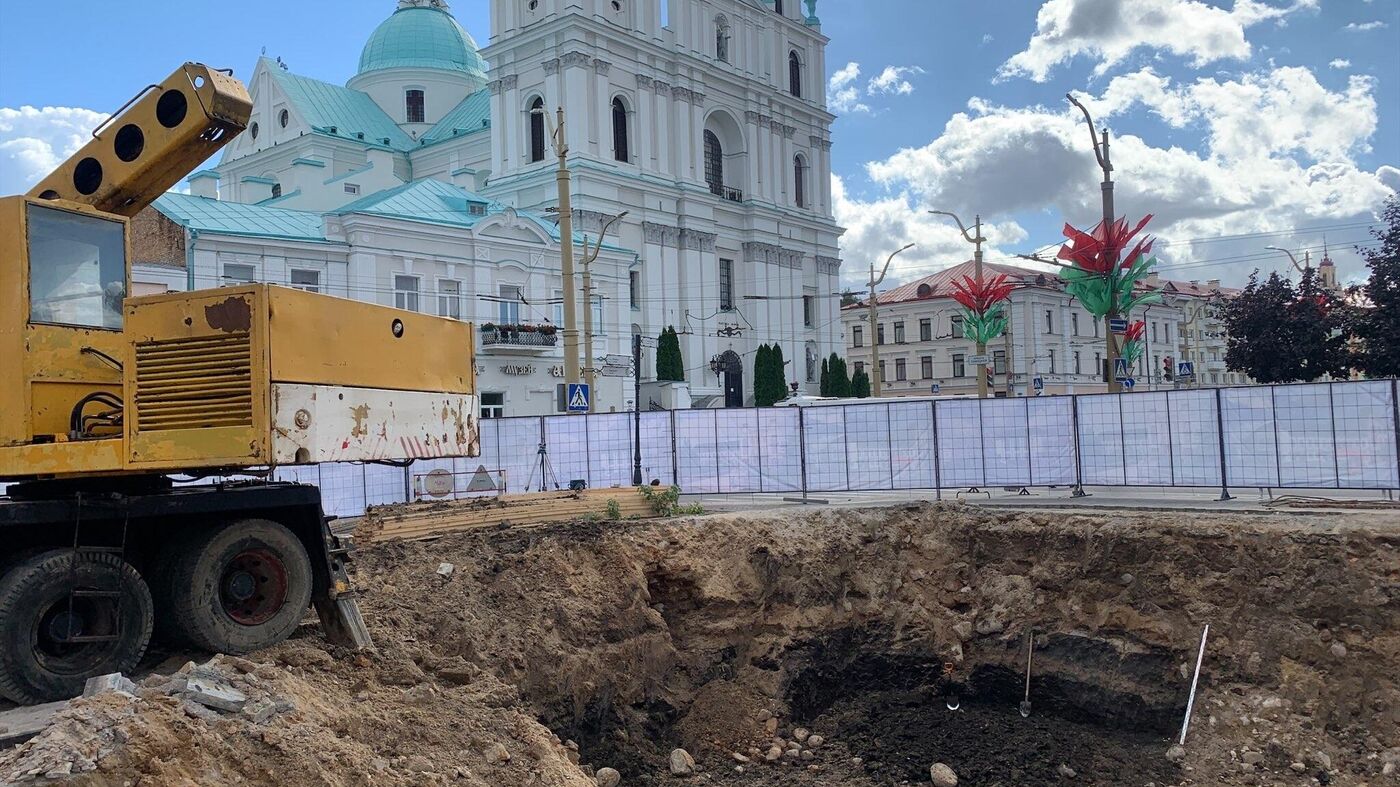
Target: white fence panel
<point>697,454</point>
<point>609,450</point>
<point>1146,440</point>
<point>656,449</point>
<point>1101,440</point>
<point>1306,454</point>
<point>826,449</point>
<point>781,445</point>
<point>912,445</point>
<point>1195,438</point>
<point>736,433</point>
<point>1006,442</point>
<point>868,458</point>
<point>1251,446</point>
<point>1364,414</point>
<point>960,443</point>
<point>1052,440</point>
<point>519,446</point>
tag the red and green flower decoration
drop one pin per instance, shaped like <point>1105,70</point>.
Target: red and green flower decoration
<point>984,317</point>
<point>1132,343</point>
<point>1098,273</point>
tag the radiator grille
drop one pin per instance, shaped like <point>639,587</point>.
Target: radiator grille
<point>195,383</point>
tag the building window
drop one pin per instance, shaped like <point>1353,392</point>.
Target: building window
<point>1049,321</point>
<point>1154,331</point>
<point>857,336</point>
<point>860,366</point>
<point>999,362</point>
<point>283,118</point>
<point>899,333</point>
<point>925,330</point>
<point>799,181</point>
<point>794,74</point>
<point>276,190</point>
<point>1076,363</point>
<point>413,103</point>
<point>1074,322</point>
<point>899,373</point>
<point>1098,363</point>
<point>714,163</point>
<point>778,6</point>
<point>239,274</point>
<point>1052,362</point>
<point>809,309</point>
<point>926,366</point>
<point>619,121</point>
<point>406,293</point>
<point>509,311</point>
<point>450,299</point>
<point>634,285</point>
<point>253,130</point>
<point>726,285</point>
<point>352,188</point>
<point>959,370</point>
<point>306,280</point>
<point>958,327</point>
<point>493,405</point>
<point>537,130</point>
<point>880,333</point>
<point>722,40</point>
<point>883,376</point>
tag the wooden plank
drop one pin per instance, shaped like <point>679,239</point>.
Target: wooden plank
<point>20,724</point>
<point>428,519</point>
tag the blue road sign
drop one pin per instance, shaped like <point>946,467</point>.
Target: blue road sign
<point>1038,383</point>
<point>1120,369</point>
<point>1128,383</point>
<point>1118,325</point>
<point>934,389</point>
<point>1185,369</point>
<point>578,397</point>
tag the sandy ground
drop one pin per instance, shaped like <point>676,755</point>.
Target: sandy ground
<point>550,653</point>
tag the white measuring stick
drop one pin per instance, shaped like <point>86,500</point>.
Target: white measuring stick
<point>1191,700</point>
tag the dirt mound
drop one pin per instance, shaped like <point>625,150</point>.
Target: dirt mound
<point>735,635</point>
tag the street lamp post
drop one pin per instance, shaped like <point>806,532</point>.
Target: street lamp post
<point>1105,164</point>
<point>1307,258</point>
<point>590,374</point>
<point>976,239</point>
<point>875,376</point>
<point>566,251</point>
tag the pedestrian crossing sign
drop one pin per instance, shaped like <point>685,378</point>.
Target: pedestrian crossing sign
<point>578,397</point>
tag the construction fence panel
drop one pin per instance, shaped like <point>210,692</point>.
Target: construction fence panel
<point>1101,451</point>
<point>1052,448</point>
<point>1307,454</point>
<point>739,460</point>
<point>958,424</point>
<point>697,452</point>
<point>1251,437</point>
<point>912,445</point>
<point>780,441</point>
<point>385,484</point>
<point>1146,456</point>
<point>609,450</point>
<point>1364,418</point>
<point>657,459</point>
<point>869,460</point>
<point>567,439</point>
<point>1195,438</point>
<point>518,444</point>
<point>1006,442</point>
<point>824,437</point>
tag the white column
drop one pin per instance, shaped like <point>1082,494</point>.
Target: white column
<point>664,124</point>
<point>645,125</point>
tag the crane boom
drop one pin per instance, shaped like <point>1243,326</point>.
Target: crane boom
<point>153,142</point>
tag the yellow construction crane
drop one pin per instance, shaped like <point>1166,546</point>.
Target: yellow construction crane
<point>106,400</point>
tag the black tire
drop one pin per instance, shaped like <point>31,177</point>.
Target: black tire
<point>36,665</point>
<point>233,588</point>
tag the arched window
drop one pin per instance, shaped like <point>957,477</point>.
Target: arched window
<point>722,40</point>
<point>537,130</point>
<point>778,6</point>
<point>619,123</point>
<point>413,104</point>
<point>714,163</point>
<point>794,74</point>
<point>799,181</point>
<point>276,190</point>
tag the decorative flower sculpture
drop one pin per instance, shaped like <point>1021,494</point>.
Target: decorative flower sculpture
<point>1095,274</point>
<point>984,319</point>
<point>1132,343</point>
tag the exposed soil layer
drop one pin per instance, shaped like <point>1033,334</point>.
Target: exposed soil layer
<point>631,639</point>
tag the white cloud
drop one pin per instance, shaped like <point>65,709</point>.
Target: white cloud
<point>1111,30</point>
<point>1364,26</point>
<point>1276,156</point>
<point>894,80</point>
<point>1340,63</point>
<point>33,142</point>
<point>987,38</point>
<point>842,92</point>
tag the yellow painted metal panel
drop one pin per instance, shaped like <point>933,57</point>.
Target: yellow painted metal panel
<point>321,340</point>
<point>14,312</point>
<point>61,459</point>
<point>61,372</point>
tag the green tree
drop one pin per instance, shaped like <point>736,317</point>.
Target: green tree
<point>825,386</point>
<point>1279,333</point>
<point>840,381</point>
<point>760,376</point>
<point>848,297</point>
<point>669,365</point>
<point>780,387</point>
<point>1377,321</point>
<point>860,385</point>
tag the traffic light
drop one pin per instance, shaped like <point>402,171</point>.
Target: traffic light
<point>1168,366</point>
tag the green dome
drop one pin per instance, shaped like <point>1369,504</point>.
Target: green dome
<point>422,37</point>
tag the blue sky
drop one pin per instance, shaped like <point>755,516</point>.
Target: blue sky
<point>1278,120</point>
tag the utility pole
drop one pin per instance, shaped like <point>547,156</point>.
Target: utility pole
<point>976,240</point>
<point>875,376</point>
<point>590,374</point>
<point>566,253</point>
<point>1307,258</point>
<point>1106,164</point>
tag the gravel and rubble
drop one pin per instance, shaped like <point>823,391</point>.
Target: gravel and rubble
<point>818,648</point>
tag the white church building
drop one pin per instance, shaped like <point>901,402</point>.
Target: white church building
<point>428,182</point>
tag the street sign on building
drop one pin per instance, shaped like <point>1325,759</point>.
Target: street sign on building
<point>1038,383</point>
<point>578,397</point>
<point>1120,369</point>
<point>979,360</point>
<point>934,389</point>
<point>617,360</point>
<point>1128,383</point>
<point>1118,325</point>
<point>1185,369</point>
<point>616,371</point>
<point>648,341</point>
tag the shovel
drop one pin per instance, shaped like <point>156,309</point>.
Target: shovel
<point>1026,703</point>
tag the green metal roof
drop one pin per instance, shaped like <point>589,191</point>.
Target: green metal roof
<point>349,112</point>
<point>422,37</point>
<point>235,218</point>
<point>432,201</point>
<point>470,116</point>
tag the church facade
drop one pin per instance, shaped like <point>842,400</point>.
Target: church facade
<point>428,181</point>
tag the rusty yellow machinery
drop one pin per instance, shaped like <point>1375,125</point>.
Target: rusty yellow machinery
<point>107,400</point>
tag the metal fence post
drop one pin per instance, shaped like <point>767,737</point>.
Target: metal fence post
<point>675,465</point>
<point>937,465</point>
<point>1220,433</point>
<point>802,447</point>
<point>1078,490</point>
<point>1395,424</point>
<point>1332,415</point>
